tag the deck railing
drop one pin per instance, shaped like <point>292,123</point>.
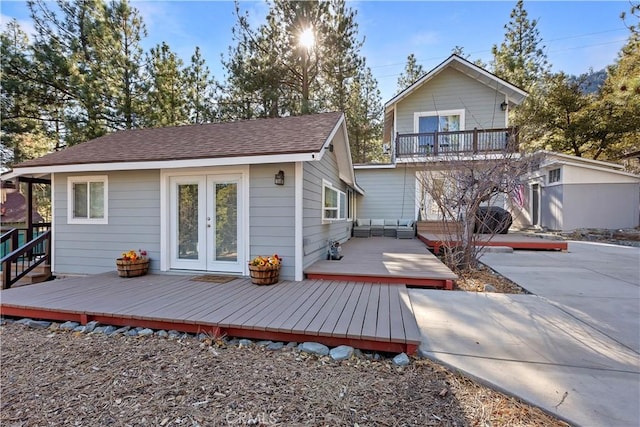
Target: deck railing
<point>464,142</point>
<point>23,259</point>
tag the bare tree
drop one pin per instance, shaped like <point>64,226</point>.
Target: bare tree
<point>457,187</point>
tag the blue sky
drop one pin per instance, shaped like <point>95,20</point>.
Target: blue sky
<point>578,35</point>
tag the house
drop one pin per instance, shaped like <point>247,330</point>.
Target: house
<point>203,197</point>
<point>566,192</point>
<point>13,208</point>
<point>456,110</point>
<point>459,111</point>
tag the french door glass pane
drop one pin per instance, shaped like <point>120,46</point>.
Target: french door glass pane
<point>226,221</point>
<point>188,221</point>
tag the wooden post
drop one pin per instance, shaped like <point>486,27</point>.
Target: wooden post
<point>475,140</point>
<point>435,143</point>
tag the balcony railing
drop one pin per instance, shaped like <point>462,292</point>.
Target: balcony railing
<point>464,142</point>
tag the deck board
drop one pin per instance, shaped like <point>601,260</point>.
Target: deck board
<point>384,260</point>
<point>334,302</point>
<point>370,321</point>
<point>332,312</point>
<point>341,327</point>
<point>383,328</point>
<point>286,307</point>
<point>354,329</point>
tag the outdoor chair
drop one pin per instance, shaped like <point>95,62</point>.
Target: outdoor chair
<point>406,229</point>
<point>362,228</point>
<point>390,227</point>
<point>377,227</point>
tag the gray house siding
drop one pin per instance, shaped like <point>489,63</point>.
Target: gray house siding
<point>600,206</point>
<point>315,232</point>
<point>272,215</point>
<point>452,90</point>
<point>388,193</point>
<point>134,223</point>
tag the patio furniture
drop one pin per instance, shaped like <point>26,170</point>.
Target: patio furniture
<point>406,229</point>
<point>362,228</point>
<point>390,227</point>
<point>377,227</point>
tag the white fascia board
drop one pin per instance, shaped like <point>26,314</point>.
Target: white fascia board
<point>376,166</point>
<point>167,164</point>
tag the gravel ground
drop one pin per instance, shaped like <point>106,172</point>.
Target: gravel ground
<point>50,377</point>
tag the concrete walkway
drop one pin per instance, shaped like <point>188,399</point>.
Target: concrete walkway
<point>573,348</point>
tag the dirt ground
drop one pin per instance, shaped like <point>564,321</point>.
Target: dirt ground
<point>50,377</point>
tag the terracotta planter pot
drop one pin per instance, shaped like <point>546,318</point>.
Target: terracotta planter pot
<point>264,275</point>
<point>136,268</point>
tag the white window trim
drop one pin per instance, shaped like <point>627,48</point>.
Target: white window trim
<point>327,184</point>
<point>70,199</point>
<point>417,115</point>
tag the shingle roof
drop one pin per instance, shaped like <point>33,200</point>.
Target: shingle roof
<point>287,135</point>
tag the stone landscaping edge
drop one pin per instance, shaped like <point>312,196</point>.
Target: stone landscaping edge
<point>337,354</point>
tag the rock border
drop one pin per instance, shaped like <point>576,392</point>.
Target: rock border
<point>310,348</point>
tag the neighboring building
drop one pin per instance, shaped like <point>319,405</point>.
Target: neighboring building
<point>13,208</point>
<point>567,192</point>
<point>455,110</point>
<point>203,197</point>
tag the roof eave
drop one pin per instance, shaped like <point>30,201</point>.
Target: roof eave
<point>163,164</point>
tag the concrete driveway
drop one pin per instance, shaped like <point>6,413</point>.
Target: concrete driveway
<point>572,348</point>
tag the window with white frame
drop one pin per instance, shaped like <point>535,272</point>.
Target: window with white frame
<point>87,199</point>
<point>351,204</point>
<point>334,203</point>
<point>554,175</point>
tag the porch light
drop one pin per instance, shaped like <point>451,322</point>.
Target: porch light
<point>279,178</point>
<point>504,106</point>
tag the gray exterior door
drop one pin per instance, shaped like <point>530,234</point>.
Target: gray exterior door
<point>206,223</point>
<point>535,204</point>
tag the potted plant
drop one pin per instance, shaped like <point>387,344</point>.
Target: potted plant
<point>133,264</point>
<point>265,270</point>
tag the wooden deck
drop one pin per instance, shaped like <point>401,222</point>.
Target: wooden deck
<point>372,316</point>
<point>385,260</point>
<point>435,241</point>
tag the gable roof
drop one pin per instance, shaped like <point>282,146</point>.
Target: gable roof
<point>260,137</point>
<point>259,141</point>
<point>514,93</point>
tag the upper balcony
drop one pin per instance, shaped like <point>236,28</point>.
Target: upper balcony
<point>457,143</point>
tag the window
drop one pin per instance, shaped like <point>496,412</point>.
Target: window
<point>429,122</point>
<point>334,203</point>
<point>554,175</point>
<point>440,121</point>
<point>87,200</point>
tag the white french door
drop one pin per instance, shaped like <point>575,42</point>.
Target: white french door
<point>205,223</point>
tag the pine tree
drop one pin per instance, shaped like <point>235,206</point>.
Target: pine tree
<point>520,59</point>
<point>165,87</point>
<point>23,134</point>
<point>123,56</point>
<point>200,90</point>
<point>365,125</point>
<point>412,72</point>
